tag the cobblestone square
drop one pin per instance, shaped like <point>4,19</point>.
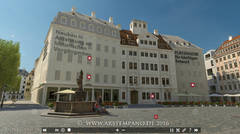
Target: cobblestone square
<point>25,118</point>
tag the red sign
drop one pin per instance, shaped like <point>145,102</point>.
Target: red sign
<point>152,96</point>
<point>193,84</point>
<point>89,76</point>
<point>89,58</point>
<point>155,116</point>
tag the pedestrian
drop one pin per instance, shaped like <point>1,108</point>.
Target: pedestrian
<point>99,100</point>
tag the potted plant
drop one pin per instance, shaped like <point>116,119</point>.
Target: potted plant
<point>50,105</point>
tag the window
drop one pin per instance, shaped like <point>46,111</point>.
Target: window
<point>212,63</point>
<point>233,75</point>
<point>89,44</point>
<point>233,55</point>
<point>209,72</point>
<point>113,50</point>
<point>238,53</point>
<point>135,65</point>
<point>221,67</point>
<point>147,67</point>
<point>224,58</point>
<point>145,42</point>
<point>105,63</point>
<point>151,67</point>
<point>166,67</point>
<point>155,55</point>
<point>135,80</point>
<point>139,25</point>
<point>151,54</point>
<point>123,96</point>
<point>152,80</point>
<point>142,66</point>
<point>68,75</point>
<point>230,87</point>
<point>97,78</point>
<point>130,53</point>
<point>134,53</point>
<point>235,64</point>
<point>143,80</point>
<point>113,79</point>
<point>143,95</point>
<point>147,80</point>
<point>57,75</point>
<point>148,95</point>
<point>130,65</point>
<point>220,59</point>
<point>226,66</point>
<point>113,63</point>
<point>156,81</point>
<point>228,76</point>
<point>237,74</point>
<point>142,54</point>
<point>216,61</point>
<point>123,79</point>
<point>130,79</point>
<point>154,43</point>
<point>59,55</point>
<point>146,54</point>
<point>135,24</point>
<point>161,55</point>
<point>162,67</point>
<point>70,56</point>
<point>167,81</point>
<point>157,96</point>
<point>165,56</point>
<point>123,52</point>
<point>97,61</point>
<point>230,65</point>
<point>229,56</point>
<point>64,20</point>
<point>163,81</point>
<point>141,41</point>
<point>150,42</point>
<point>79,59</point>
<point>98,47</point>
<point>123,65</point>
<point>105,78</point>
<point>106,49</point>
<point>217,68</point>
<point>144,25</point>
<point>155,67</point>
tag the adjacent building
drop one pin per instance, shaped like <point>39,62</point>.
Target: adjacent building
<point>211,71</point>
<point>133,66</point>
<point>19,95</point>
<point>28,85</point>
<point>227,58</point>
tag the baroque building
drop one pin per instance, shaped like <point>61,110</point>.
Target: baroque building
<point>133,66</point>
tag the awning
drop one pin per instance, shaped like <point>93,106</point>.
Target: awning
<point>189,94</point>
<point>67,91</point>
<point>232,95</point>
<point>215,95</point>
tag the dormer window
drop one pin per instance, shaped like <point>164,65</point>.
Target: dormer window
<point>135,24</point>
<point>63,20</point>
<point>147,36</point>
<point>73,22</point>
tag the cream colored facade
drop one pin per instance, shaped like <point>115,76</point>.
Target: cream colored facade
<point>227,59</point>
<point>73,37</point>
<point>28,85</point>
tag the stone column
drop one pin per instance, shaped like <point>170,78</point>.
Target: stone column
<point>93,96</point>
<point>58,94</point>
<point>103,95</point>
<point>70,97</point>
<point>44,96</point>
<point>111,95</point>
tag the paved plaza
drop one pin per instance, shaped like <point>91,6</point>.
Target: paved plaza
<point>24,118</point>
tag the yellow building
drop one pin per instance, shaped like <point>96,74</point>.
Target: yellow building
<point>28,85</point>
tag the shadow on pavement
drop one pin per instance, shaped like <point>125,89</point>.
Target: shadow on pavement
<point>16,107</point>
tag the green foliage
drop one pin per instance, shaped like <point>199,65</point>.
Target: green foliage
<point>50,104</point>
<point>9,64</point>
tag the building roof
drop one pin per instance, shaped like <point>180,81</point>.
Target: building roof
<point>225,42</point>
<point>175,41</point>
<point>128,38</point>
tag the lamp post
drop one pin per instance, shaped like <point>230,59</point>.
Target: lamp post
<point>3,96</point>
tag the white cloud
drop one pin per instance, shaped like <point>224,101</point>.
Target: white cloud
<point>12,35</point>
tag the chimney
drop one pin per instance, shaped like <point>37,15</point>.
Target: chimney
<point>73,10</point>
<point>93,14</point>
<point>119,26</point>
<point>230,38</point>
<point>110,20</point>
<point>155,31</point>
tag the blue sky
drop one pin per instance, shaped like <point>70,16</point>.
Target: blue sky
<point>206,23</point>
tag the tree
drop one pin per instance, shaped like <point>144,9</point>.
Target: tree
<point>9,65</point>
